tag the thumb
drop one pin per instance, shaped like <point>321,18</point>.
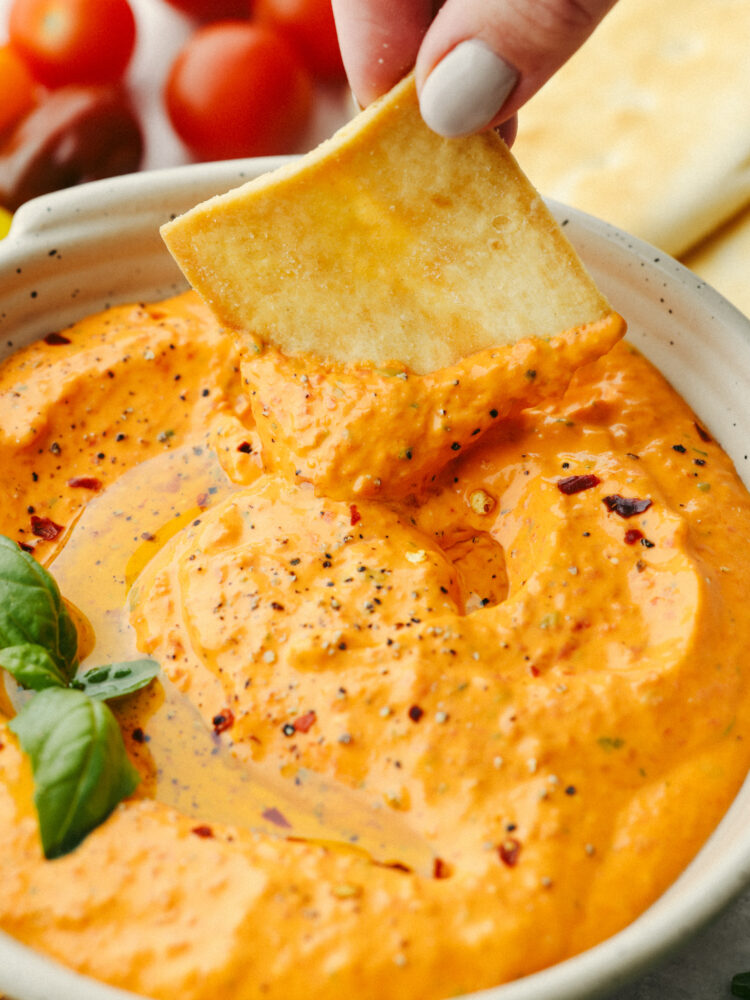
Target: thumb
<point>481,60</point>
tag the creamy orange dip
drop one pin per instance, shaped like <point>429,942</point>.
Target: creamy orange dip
<point>530,674</point>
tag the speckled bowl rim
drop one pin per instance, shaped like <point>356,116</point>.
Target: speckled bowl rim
<point>109,231</point>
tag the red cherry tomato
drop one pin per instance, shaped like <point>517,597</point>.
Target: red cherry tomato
<point>238,89</point>
<point>17,87</point>
<point>73,41</point>
<point>212,10</point>
<point>309,26</point>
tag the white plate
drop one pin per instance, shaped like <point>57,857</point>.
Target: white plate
<point>76,251</point>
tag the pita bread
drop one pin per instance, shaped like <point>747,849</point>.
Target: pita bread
<point>723,260</point>
<point>388,243</point>
<point>648,125</point>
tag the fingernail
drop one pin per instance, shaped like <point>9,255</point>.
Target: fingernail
<point>466,89</point>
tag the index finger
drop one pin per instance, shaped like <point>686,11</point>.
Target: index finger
<point>379,41</point>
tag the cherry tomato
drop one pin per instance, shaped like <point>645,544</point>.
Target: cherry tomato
<point>73,41</point>
<point>213,10</point>
<point>238,89</point>
<point>17,87</point>
<point>309,26</point>
<point>74,134</point>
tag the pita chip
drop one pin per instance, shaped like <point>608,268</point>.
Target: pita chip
<point>723,260</point>
<point>648,124</point>
<point>388,243</point>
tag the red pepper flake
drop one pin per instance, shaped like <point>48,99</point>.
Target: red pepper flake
<point>633,535</point>
<point>355,514</point>
<point>223,721</point>
<point>509,851</point>
<point>56,339</point>
<point>85,482</point>
<point>575,484</point>
<point>304,722</point>
<point>396,866</point>
<point>441,869</point>
<point>416,713</point>
<point>702,433</point>
<point>533,670</point>
<point>245,447</point>
<point>202,831</point>
<point>625,506</point>
<point>26,547</point>
<point>274,816</point>
<point>44,527</point>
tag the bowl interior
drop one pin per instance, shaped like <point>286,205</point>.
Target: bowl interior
<point>78,251</point>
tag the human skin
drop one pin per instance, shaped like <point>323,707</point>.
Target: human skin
<point>381,40</point>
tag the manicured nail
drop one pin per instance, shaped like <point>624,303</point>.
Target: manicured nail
<point>466,89</point>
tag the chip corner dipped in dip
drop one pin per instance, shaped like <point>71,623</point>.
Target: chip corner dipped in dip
<point>449,624</point>
<point>409,267</point>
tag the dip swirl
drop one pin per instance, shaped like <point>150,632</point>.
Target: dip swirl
<point>533,659</point>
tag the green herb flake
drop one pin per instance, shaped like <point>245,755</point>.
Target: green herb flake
<point>741,985</point>
<point>610,743</point>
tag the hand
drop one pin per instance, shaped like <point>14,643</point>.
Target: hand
<point>477,61</point>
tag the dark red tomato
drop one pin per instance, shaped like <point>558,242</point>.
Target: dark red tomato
<point>309,26</point>
<point>73,41</point>
<point>17,86</point>
<point>212,10</point>
<point>238,89</point>
<point>74,134</point>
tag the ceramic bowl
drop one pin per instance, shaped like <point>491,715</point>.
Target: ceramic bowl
<point>75,252</point>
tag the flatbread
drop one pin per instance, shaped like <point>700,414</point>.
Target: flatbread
<point>723,260</point>
<point>388,243</point>
<point>648,125</point>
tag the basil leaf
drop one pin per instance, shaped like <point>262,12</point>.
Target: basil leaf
<point>116,679</point>
<point>32,667</point>
<point>81,769</point>
<point>741,984</point>
<point>31,608</point>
